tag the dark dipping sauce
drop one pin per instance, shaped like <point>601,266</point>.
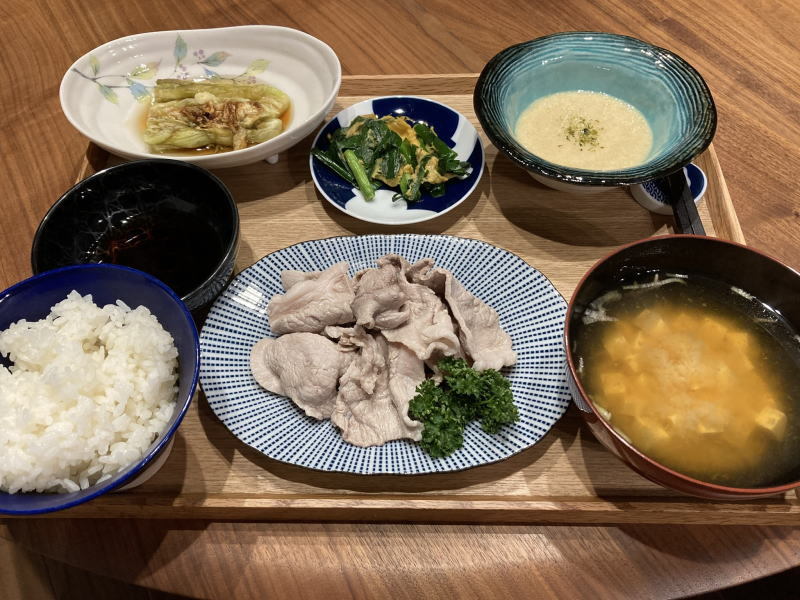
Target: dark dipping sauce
<point>698,375</point>
<point>179,248</point>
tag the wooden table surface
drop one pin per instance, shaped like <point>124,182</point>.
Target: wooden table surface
<point>749,56</point>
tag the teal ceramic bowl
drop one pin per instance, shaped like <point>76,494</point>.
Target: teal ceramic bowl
<point>666,89</point>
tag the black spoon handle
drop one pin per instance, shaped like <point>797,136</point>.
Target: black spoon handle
<point>687,219</point>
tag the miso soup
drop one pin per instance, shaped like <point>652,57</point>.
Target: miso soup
<point>700,376</point>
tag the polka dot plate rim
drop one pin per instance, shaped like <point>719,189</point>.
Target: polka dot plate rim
<point>531,310</point>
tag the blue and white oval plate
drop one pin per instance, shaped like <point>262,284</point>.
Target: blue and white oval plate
<point>530,309</point>
<point>450,125</point>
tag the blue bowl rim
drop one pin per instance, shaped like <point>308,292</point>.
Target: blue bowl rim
<point>230,248</point>
<point>137,467</point>
<point>324,193</point>
<point>584,177</point>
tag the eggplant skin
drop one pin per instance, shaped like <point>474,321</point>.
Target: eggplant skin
<point>180,89</point>
<point>222,113</point>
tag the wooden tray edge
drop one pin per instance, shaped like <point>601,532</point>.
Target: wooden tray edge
<point>620,511</point>
<point>590,511</point>
<point>722,212</point>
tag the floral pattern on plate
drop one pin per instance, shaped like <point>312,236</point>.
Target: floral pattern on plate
<point>124,71</point>
<point>199,69</point>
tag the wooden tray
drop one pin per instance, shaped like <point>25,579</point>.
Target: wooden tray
<point>568,477</point>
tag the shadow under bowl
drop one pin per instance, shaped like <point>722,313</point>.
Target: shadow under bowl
<point>768,280</point>
<point>168,218</point>
<point>32,300</point>
<point>668,91</point>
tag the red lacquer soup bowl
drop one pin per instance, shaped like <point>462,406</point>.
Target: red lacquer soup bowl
<point>771,282</point>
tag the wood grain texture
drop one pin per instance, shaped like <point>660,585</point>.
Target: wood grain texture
<point>27,575</point>
<point>749,56</point>
<point>324,561</point>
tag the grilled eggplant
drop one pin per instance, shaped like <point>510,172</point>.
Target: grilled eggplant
<point>219,114</point>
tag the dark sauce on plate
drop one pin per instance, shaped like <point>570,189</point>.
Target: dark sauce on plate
<point>179,248</point>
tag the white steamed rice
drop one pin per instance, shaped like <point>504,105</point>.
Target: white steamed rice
<point>89,390</point>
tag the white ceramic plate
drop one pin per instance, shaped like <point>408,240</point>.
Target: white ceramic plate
<point>530,309</point>
<point>105,92</point>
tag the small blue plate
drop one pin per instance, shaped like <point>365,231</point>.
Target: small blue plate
<point>450,125</point>
<point>653,195</point>
<point>531,312</point>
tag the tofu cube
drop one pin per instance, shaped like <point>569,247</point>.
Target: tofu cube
<point>638,340</point>
<point>651,434</point>
<point>634,362</point>
<point>772,421</point>
<point>679,421</point>
<point>724,376</point>
<point>712,421</point>
<point>713,330</point>
<point>740,341</point>
<point>613,383</point>
<point>684,322</point>
<point>631,405</point>
<point>712,428</point>
<point>624,435</point>
<point>650,322</point>
<point>615,344</point>
<point>606,414</point>
<point>645,382</point>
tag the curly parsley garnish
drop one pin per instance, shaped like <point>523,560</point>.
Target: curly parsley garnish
<point>464,395</point>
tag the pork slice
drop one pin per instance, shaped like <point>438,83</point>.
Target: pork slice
<point>365,409</point>
<point>406,372</point>
<point>479,331</point>
<point>392,319</point>
<point>260,366</point>
<point>429,330</point>
<point>344,335</point>
<point>379,298</point>
<point>423,273</point>
<point>303,366</point>
<point>311,303</point>
<point>290,278</point>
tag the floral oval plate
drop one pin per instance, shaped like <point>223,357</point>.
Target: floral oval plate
<point>105,92</point>
<point>450,125</point>
<point>530,309</point>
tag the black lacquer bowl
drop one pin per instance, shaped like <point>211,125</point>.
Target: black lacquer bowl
<point>168,218</point>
